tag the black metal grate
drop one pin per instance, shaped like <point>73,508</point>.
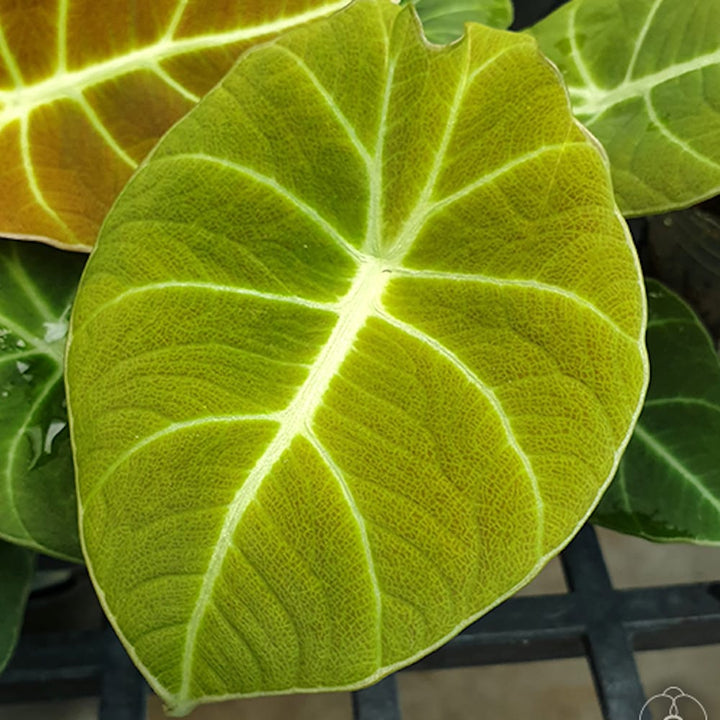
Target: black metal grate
<point>592,619</point>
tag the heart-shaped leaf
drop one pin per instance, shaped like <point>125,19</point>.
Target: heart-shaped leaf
<point>644,77</point>
<point>356,353</point>
<point>16,570</point>
<point>37,489</point>
<point>87,88</point>
<point>444,20</point>
<point>668,484</point>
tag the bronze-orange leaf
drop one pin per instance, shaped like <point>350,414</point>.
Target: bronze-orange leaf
<point>87,89</point>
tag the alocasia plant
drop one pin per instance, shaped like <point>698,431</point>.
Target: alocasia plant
<point>361,343</point>
<point>347,369</point>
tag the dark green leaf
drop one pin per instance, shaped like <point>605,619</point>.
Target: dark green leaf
<point>37,493</point>
<point>668,484</point>
<point>16,570</point>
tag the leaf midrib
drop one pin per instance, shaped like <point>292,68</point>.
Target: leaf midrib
<point>593,100</point>
<point>361,301</point>
<point>21,101</point>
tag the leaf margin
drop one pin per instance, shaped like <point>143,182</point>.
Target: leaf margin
<point>183,707</point>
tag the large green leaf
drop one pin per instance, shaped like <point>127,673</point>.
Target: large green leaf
<point>356,353</point>
<point>644,76</point>
<point>443,20</point>
<point>87,88</point>
<point>16,570</point>
<point>37,493</point>
<point>668,484</point>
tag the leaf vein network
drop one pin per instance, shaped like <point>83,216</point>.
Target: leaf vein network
<point>664,454</point>
<point>495,403</point>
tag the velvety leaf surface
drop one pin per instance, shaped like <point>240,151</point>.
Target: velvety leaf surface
<point>644,77</point>
<point>16,570</point>
<point>88,87</point>
<point>443,20</point>
<point>37,490</point>
<point>668,484</point>
<point>357,351</point>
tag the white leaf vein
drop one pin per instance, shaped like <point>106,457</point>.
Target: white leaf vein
<point>11,66</point>
<point>420,217</point>
<point>7,358</point>
<point>569,295</point>
<point>362,529</point>
<point>576,55</point>
<point>17,272</point>
<point>53,352</point>
<point>595,101</point>
<point>33,184</point>
<point>673,138</point>
<point>271,183</point>
<point>213,287</point>
<point>166,432</point>
<point>374,222</point>
<point>25,99</point>
<point>174,23</point>
<point>62,28</point>
<point>423,209</point>
<point>664,454</point>
<point>698,402</point>
<point>357,306</point>
<point>495,403</point>
<point>102,130</point>
<point>640,40</point>
<point>342,120</point>
<point>177,86</point>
